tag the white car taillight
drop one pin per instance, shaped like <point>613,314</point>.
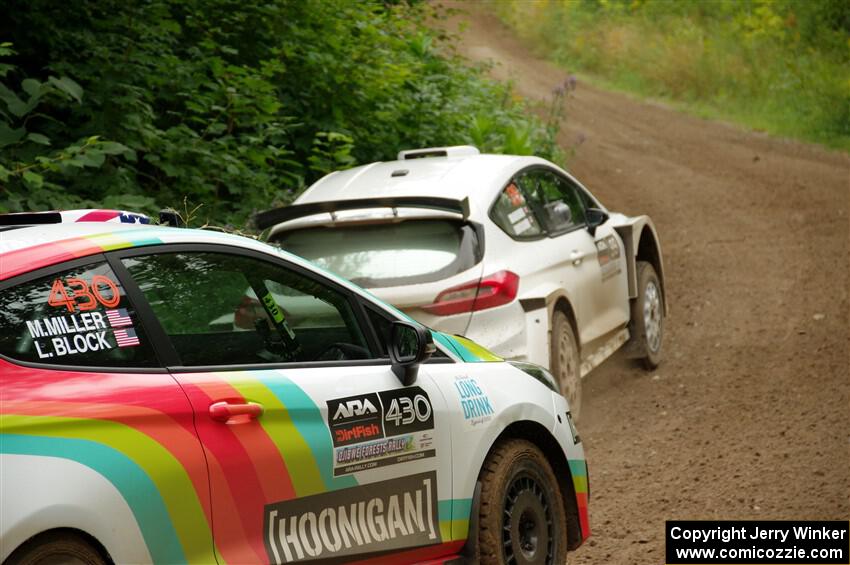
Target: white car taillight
<point>491,291</point>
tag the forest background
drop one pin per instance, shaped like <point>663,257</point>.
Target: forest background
<point>239,105</point>
<point>230,104</point>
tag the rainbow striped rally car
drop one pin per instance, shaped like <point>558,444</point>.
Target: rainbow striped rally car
<point>186,396</point>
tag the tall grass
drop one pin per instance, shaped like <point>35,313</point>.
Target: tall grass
<point>780,66</point>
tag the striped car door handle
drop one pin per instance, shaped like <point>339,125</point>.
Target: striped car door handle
<point>235,413</point>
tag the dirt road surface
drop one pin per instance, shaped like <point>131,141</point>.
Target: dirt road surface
<point>748,417</point>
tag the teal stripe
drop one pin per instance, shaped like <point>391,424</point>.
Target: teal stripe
<point>309,422</point>
<point>132,482</point>
<point>578,467</point>
<point>462,352</point>
<point>146,241</point>
<point>446,342</point>
<point>457,509</point>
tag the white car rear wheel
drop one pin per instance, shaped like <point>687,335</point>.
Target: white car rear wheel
<point>565,363</point>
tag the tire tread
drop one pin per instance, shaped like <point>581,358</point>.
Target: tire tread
<point>494,476</point>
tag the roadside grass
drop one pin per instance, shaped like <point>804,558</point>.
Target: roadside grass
<point>759,64</point>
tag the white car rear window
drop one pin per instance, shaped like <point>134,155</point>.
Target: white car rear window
<point>388,254</point>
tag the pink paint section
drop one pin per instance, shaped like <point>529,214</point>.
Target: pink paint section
<point>38,256</point>
<point>23,260</point>
<point>99,216</point>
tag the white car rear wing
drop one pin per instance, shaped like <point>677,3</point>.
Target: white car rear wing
<point>270,218</point>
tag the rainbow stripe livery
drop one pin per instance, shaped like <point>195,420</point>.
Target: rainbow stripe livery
<point>270,462</point>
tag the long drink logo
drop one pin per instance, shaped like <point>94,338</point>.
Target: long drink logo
<point>387,515</point>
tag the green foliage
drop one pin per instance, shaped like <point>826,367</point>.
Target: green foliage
<point>236,105</point>
<point>777,65</point>
<point>26,140</point>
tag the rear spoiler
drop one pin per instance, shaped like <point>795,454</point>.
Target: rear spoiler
<point>286,213</point>
<point>30,218</point>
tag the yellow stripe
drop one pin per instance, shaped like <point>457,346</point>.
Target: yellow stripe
<point>460,529</point>
<point>483,353</point>
<point>278,423</point>
<point>580,484</point>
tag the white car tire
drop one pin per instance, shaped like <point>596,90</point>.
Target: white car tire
<point>564,361</point>
<point>522,519</point>
<point>648,316</point>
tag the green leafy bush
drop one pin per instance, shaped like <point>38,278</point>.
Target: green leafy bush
<point>235,105</point>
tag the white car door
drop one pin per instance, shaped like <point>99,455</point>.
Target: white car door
<point>590,266</point>
<point>608,300</point>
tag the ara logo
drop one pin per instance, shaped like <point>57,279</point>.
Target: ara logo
<point>354,407</point>
<point>355,419</point>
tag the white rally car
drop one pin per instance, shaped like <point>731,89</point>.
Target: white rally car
<point>512,252</point>
<point>323,425</point>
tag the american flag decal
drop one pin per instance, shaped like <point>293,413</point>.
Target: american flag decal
<point>118,318</point>
<point>126,338</point>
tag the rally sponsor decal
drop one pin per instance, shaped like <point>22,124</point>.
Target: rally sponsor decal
<point>515,196</point>
<point>379,429</point>
<point>474,401</point>
<point>407,410</point>
<point>382,516</point>
<point>608,253</point>
<point>79,323</point>
<point>84,295</point>
<point>58,336</point>
<point>355,419</point>
<point>374,454</point>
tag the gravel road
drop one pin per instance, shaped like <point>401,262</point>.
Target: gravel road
<point>748,417</point>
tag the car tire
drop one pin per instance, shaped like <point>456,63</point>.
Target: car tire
<point>522,519</point>
<point>56,548</point>
<point>565,363</point>
<point>648,316</point>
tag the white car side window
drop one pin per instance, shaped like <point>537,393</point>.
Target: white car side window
<point>553,199</point>
<point>514,215</point>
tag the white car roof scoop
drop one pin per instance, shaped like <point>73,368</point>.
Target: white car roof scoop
<point>454,151</point>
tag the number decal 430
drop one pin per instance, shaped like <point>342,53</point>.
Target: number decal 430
<point>407,410</point>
